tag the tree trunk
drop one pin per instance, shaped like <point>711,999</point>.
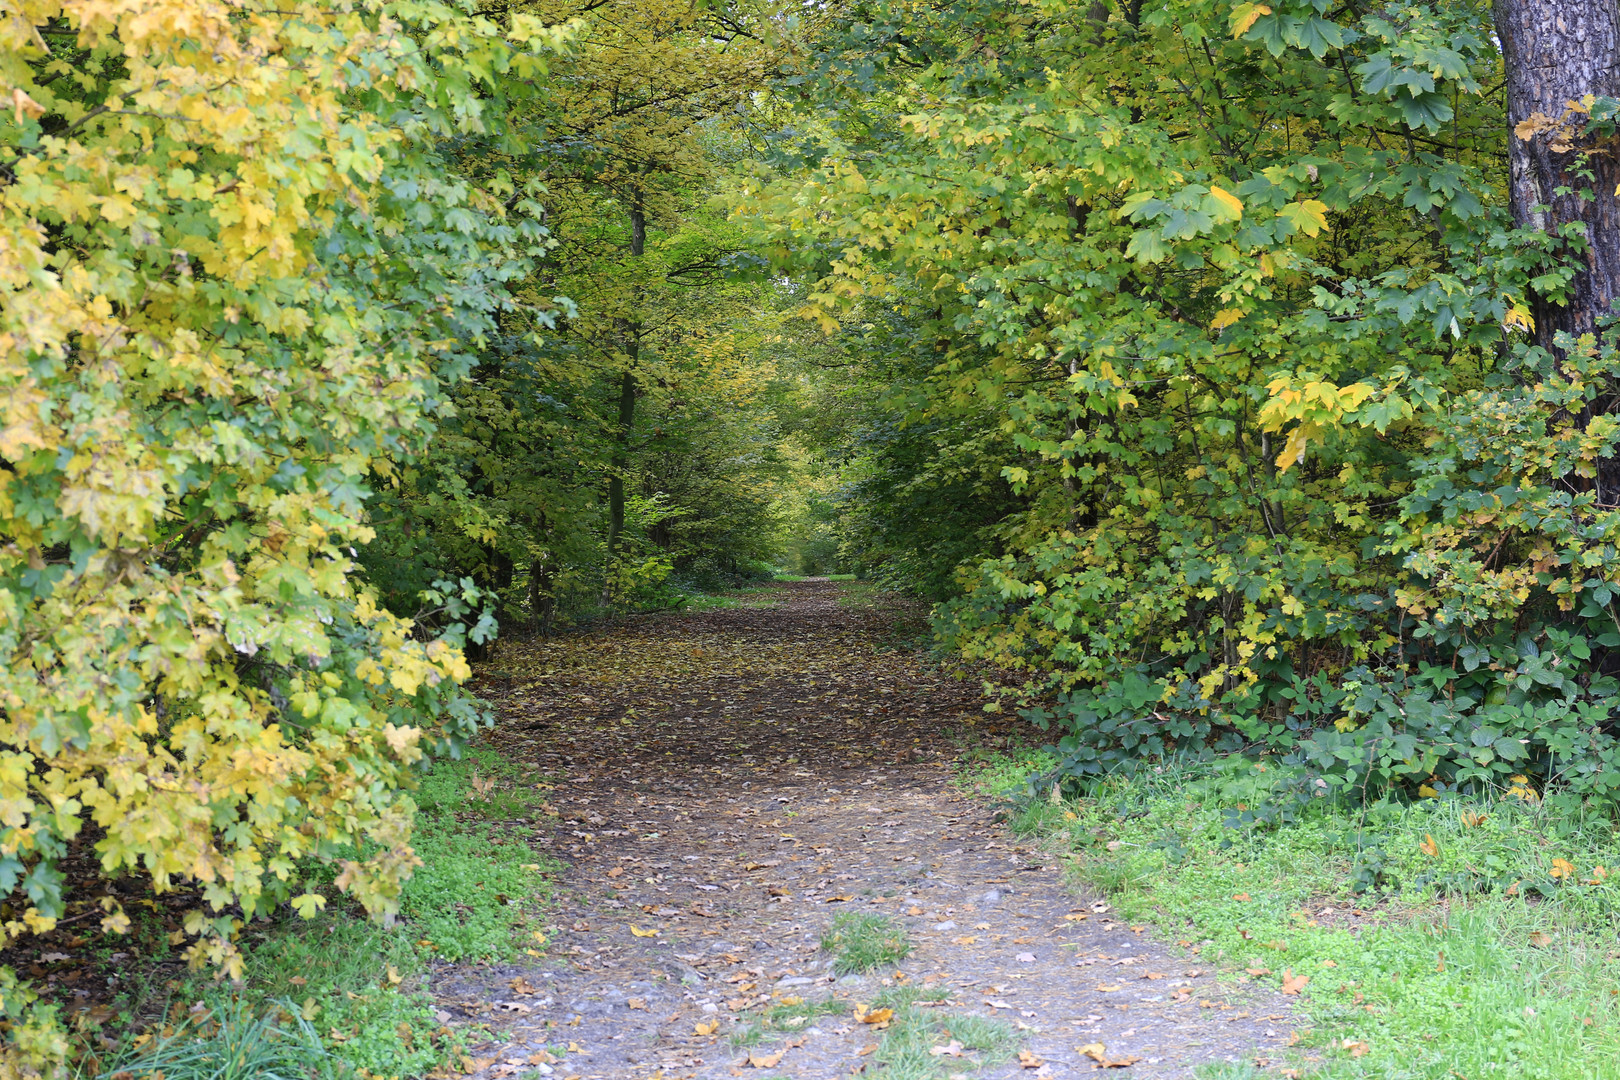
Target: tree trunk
<point>631,330</point>
<point>1559,51</point>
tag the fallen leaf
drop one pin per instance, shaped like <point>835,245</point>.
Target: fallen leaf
<point>1258,971</point>
<point>1242,897</point>
<point>636,1003</point>
<point>950,1049</point>
<point>1097,1053</point>
<point>1151,975</point>
<point>1561,868</point>
<point>765,1061</point>
<point>996,1003</point>
<point>639,932</point>
<point>1108,989</point>
<point>876,1016</point>
<point>700,1028</point>
<point>1541,939</point>
<point>617,871</point>
<point>1293,984</point>
<point>966,939</point>
<point>1357,1049</point>
<point>1429,847</point>
<point>1028,1060</point>
<point>865,1050</point>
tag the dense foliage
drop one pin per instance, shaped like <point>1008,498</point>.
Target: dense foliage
<point>1230,299</point>
<point>632,449</point>
<point>237,268</point>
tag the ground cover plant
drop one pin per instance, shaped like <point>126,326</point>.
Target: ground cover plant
<point>1438,938</point>
<point>347,996</point>
<point>864,942</point>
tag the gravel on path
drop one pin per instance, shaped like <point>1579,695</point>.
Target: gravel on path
<point>725,784</point>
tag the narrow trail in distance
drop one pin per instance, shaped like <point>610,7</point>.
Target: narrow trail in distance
<point>727,783</point>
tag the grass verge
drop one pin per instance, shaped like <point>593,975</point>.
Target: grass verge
<point>1440,939</point>
<point>342,995</point>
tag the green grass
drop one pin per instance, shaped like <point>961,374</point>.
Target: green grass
<point>863,942</point>
<point>822,577</point>
<point>232,1043</point>
<point>784,1019</point>
<point>358,985</point>
<point>1441,939</point>
<point>742,596</point>
<point>906,1051</point>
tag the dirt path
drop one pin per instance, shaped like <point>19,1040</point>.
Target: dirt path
<point>726,784</point>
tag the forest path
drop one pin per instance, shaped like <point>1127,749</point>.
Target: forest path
<point>729,782</point>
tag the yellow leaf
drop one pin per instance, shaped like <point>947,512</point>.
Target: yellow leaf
<point>639,932</point>
<point>1233,205</point>
<point>1225,317</point>
<point>1429,847</point>
<point>701,1028</point>
<point>1561,868</point>
<point>1244,16</point>
<point>1293,451</point>
<point>1309,216</point>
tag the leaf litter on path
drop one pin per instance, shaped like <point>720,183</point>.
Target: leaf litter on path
<point>721,785</point>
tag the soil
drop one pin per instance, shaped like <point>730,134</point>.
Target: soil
<point>724,784</point>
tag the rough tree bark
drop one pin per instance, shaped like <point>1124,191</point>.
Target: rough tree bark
<point>1558,51</point>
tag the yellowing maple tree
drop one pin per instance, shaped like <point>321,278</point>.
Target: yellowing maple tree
<point>234,273</point>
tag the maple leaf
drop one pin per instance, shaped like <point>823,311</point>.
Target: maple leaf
<point>1293,984</point>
